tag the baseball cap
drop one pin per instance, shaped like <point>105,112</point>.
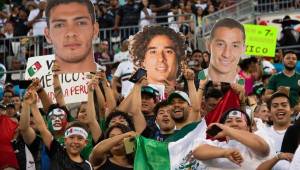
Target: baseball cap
<point>179,94</point>
<point>150,90</point>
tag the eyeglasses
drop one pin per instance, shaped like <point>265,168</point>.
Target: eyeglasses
<point>7,96</point>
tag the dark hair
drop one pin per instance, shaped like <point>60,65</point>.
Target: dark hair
<point>196,51</point>
<point>159,105</point>
<point>225,114</point>
<point>228,23</point>
<point>123,128</point>
<point>77,124</point>
<point>119,113</point>
<point>53,3</point>
<point>285,52</point>
<point>276,95</point>
<point>139,42</point>
<point>245,63</point>
<point>213,93</point>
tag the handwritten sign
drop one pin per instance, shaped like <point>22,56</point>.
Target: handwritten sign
<point>260,40</point>
<point>74,85</point>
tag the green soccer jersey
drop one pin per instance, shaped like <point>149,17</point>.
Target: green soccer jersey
<point>280,79</point>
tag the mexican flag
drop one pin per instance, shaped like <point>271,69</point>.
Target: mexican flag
<point>34,68</point>
<point>155,155</point>
<point>176,152</point>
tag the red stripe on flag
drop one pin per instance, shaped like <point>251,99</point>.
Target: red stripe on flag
<point>229,100</point>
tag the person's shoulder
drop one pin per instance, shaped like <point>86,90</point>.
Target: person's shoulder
<point>297,74</point>
<point>87,165</point>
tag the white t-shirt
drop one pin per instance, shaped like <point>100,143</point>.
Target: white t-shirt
<point>121,56</point>
<point>277,137</point>
<point>124,71</point>
<point>295,164</point>
<point>251,159</point>
<point>40,25</point>
<point>143,21</point>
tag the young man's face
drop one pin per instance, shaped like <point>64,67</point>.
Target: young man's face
<point>164,120</point>
<point>180,109</point>
<point>280,111</point>
<point>148,103</point>
<point>289,61</point>
<point>71,31</point>
<point>7,96</point>
<point>226,48</point>
<point>160,60</point>
<point>75,143</point>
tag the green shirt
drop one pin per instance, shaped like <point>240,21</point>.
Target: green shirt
<point>280,79</point>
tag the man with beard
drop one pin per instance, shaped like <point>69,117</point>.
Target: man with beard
<point>287,78</point>
<point>180,113</point>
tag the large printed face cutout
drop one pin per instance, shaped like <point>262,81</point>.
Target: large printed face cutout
<point>57,119</point>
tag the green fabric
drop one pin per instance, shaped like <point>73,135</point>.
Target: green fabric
<point>181,133</point>
<point>151,155</point>
<point>293,82</point>
<point>102,124</point>
<point>85,153</point>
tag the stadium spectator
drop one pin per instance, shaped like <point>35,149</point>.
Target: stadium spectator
<point>7,96</point>
<point>144,20</point>
<point>165,124</point>
<point>21,24</point>
<point>149,100</point>
<point>161,9</point>
<point>250,72</point>
<point>280,109</point>
<point>110,153</point>
<point>129,15</point>
<point>288,78</point>
<point>37,19</point>
<point>242,148</point>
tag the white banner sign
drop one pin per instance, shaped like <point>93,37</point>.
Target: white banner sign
<point>74,85</point>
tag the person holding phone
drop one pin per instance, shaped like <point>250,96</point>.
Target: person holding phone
<point>110,153</point>
<point>242,148</point>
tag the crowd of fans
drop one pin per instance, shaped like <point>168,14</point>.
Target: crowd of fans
<point>108,115</point>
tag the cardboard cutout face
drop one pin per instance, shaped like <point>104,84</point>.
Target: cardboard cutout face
<point>71,31</point>
<point>158,50</point>
<point>226,48</point>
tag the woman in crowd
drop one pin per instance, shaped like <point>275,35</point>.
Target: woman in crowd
<point>110,153</point>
